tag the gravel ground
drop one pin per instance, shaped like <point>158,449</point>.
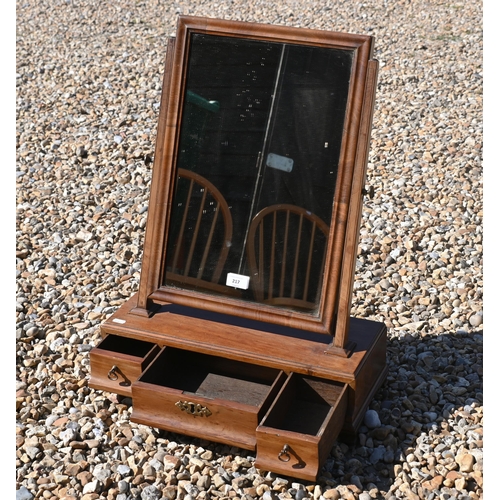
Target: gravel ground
<point>88,79</point>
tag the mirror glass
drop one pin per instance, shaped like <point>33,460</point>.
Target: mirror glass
<point>257,162</point>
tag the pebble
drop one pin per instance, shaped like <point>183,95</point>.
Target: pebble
<point>24,494</point>
<point>87,108</point>
<point>371,419</point>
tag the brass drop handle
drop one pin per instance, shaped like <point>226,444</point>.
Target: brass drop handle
<point>112,374</point>
<point>284,454</point>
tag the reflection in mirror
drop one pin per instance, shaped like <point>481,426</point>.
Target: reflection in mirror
<point>261,126</point>
<point>201,232</point>
<point>286,255</point>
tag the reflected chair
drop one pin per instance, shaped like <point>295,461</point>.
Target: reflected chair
<point>286,250</point>
<point>200,234</point>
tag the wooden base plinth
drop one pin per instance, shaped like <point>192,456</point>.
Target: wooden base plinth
<point>204,348</point>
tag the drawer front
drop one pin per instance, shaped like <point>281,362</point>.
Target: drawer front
<point>205,396</point>
<point>299,453</point>
<point>288,454</point>
<point>115,371</point>
<point>213,419</point>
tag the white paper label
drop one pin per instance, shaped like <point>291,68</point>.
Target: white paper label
<point>118,320</point>
<point>279,162</point>
<point>237,281</point>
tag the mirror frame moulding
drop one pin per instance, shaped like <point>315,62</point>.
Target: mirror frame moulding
<point>332,317</point>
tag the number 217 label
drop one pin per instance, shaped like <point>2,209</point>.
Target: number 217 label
<point>237,281</point>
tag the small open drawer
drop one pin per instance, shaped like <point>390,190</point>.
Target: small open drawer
<point>205,396</point>
<point>297,433</point>
<point>117,362</point>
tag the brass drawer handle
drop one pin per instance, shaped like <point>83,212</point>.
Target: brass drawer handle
<point>113,373</point>
<point>193,408</point>
<point>284,454</point>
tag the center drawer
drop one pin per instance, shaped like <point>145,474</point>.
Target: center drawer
<point>205,396</point>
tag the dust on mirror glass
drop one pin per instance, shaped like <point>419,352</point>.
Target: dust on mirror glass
<point>257,164</point>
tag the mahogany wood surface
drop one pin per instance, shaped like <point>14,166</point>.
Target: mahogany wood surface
<point>308,446</point>
<point>369,376</point>
<point>155,226</point>
<point>307,354</point>
<point>304,460</point>
<point>129,366</point>
<point>364,370</point>
<point>229,422</point>
<point>355,210</point>
<point>233,414</point>
<point>163,181</point>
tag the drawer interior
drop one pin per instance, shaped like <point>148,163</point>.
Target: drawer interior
<point>126,345</point>
<point>304,404</point>
<point>211,377</point>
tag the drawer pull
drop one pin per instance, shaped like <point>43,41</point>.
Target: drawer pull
<point>113,373</point>
<point>193,408</point>
<point>284,454</point>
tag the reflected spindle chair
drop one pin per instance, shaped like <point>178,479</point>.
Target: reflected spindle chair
<point>286,250</point>
<point>200,234</point>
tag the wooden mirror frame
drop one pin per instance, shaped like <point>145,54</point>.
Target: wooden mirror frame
<point>335,301</point>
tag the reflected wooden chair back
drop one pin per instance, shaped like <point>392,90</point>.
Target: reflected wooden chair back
<point>200,234</point>
<point>286,255</point>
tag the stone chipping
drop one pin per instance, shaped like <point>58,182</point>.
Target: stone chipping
<point>88,83</point>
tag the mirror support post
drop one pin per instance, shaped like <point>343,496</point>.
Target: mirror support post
<point>149,281</point>
<point>340,343</point>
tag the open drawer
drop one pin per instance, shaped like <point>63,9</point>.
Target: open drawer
<point>117,362</point>
<point>297,433</point>
<point>205,396</point>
